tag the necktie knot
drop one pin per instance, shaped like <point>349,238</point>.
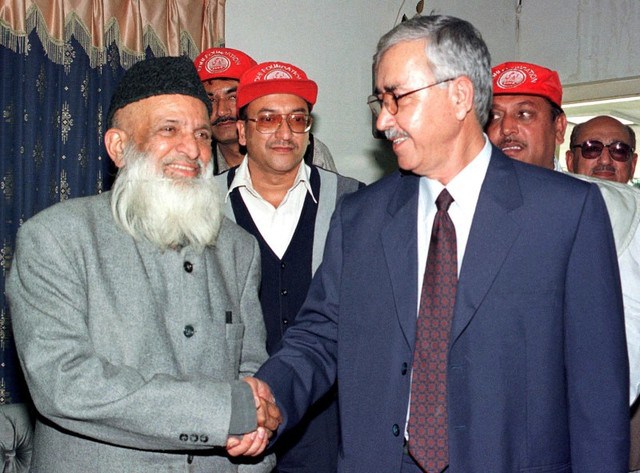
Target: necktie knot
<point>444,200</point>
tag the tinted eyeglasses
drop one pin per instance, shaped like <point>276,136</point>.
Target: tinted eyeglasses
<point>618,150</point>
<point>267,122</point>
<point>390,100</point>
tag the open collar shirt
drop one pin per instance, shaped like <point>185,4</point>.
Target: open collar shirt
<point>276,224</point>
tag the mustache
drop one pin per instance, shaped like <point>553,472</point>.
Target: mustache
<point>392,134</point>
<point>283,144</point>
<point>510,141</point>
<point>221,120</point>
<point>604,167</point>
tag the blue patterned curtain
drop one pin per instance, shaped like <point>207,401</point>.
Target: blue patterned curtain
<point>57,80</point>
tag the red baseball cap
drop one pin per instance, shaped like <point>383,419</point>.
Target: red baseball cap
<point>523,78</point>
<point>222,63</point>
<point>275,78</point>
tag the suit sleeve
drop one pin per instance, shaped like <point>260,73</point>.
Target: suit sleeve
<point>75,387</point>
<point>595,348</point>
<point>304,369</point>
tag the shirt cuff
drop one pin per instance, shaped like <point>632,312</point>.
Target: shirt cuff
<point>243,409</point>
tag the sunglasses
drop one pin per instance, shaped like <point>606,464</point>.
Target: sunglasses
<point>267,122</point>
<point>592,149</point>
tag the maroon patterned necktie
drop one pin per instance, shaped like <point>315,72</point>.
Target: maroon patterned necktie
<point>428,437</point>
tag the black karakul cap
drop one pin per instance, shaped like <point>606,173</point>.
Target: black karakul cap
<point>157,76</point>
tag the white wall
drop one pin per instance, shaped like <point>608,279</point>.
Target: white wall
<point>334,40</point>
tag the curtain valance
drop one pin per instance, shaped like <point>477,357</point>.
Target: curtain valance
<point>167,27</point>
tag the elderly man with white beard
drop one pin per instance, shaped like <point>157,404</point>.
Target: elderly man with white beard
<point>136,312</point>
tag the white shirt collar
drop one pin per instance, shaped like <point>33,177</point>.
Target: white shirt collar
<point>242,178</point>
<point>465,186</point>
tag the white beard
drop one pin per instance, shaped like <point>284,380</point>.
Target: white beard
<point>170,213</point>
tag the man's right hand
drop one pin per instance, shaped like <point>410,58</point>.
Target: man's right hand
<point>267,412</point>
<point>268,419</point>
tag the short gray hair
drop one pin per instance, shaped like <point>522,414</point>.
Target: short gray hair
<point>454,48</point>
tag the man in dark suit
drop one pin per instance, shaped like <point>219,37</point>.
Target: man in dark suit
<point>535,366</point>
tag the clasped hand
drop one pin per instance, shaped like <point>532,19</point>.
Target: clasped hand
<point>268,418</point>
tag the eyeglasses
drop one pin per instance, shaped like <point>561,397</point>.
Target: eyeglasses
<point>592,149</point>
<point>390,100</point>
<point>270,122</point>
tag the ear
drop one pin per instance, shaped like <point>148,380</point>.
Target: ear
<point>634,161</point>
<point>560,126</point>
<point>115,140</point>
<point>462,96</point>
<point>242,138</point>
<point>569,157</point>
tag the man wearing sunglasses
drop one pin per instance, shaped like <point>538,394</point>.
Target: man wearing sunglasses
<point>527,123</point>
<point>286,204</point>
<point>604,148</point>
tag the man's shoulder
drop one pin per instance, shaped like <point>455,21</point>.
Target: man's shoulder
<point>232,234</point>
<point>623,205</point>
<point>345,182</point>
<point>71,213</point>
<point>539,180</point>
<point>622,193</point>
<point>391,192</point>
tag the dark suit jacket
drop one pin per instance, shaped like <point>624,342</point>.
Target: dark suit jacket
<point>538,371</point>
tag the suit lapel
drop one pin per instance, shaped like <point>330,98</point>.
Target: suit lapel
<point>493,231</point>
<point>399,243</point>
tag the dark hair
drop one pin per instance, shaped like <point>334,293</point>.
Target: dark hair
<point>555,110</point>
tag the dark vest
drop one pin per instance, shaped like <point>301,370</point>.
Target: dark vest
<point>285,281</point>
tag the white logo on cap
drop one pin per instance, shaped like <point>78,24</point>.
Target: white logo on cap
<point>277,74</point>
<point>217,64</point>
<point>511,78</point>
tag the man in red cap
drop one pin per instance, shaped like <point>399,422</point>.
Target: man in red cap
<point>286,204</point>
<point>527,107</point>
<point>220,70</point>
<point>527,123</point>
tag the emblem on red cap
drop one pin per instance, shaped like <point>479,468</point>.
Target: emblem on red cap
<point>217,64</point>
<point>275,78</point>
<point>511,78</point>
<point>529,79</point>
<point>277,74</point>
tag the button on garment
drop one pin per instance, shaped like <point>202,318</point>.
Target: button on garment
<point>188,331</point>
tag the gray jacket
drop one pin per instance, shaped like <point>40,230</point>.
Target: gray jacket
<point>133,356</point>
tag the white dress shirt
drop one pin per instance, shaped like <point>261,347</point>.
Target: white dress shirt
<point>276,224</point>
<point>465,190</point>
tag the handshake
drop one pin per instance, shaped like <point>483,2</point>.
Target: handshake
<point>268,418</point>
